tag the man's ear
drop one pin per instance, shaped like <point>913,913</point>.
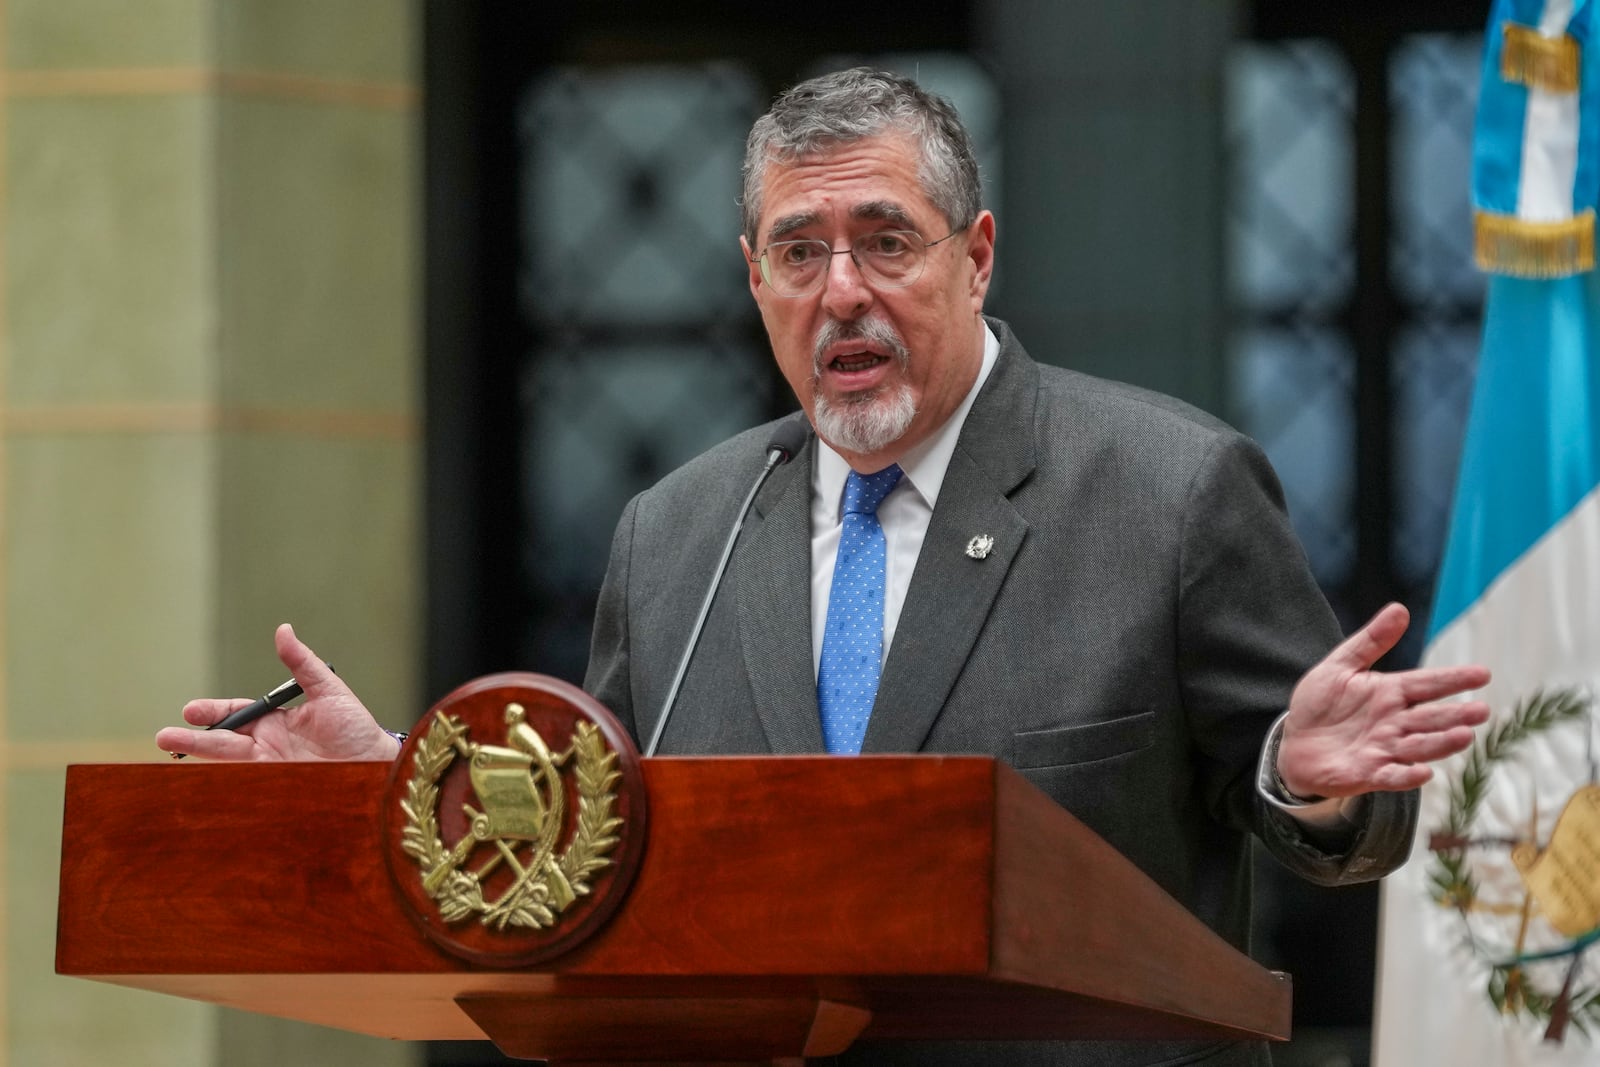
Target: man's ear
<point>980,250</point>
<point>755,268</point>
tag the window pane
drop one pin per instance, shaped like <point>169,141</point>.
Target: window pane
<point>1295,391</point>
<point>630,194</point>
<point>1433,95</point>
<point>1290,210</point>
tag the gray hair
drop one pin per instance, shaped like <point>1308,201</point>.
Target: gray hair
<point>852,105</point>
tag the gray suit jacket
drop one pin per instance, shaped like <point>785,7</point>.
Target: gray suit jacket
<point>1142,618</point>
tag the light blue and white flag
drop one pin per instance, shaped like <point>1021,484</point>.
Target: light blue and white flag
<point>1486,934</point>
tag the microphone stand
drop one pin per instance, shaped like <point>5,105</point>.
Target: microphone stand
<point>786,441</point>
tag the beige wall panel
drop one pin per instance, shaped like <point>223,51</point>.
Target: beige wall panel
<point>99,34</point>
<point>319,256</point>
<point>110,246</point>
<point>322,533</point>
<point>211,376</point>
<point>363,40</point>
<point>110,565</point>
<point>70,1022</point>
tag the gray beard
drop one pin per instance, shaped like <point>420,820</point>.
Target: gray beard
<point>867,424</point>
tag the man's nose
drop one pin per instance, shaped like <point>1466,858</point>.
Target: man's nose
<point>845,293</point>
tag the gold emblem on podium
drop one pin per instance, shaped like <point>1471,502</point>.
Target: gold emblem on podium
<point>515,818</point>
<point>521,813</point>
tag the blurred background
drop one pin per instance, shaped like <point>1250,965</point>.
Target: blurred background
<point>371,314</point>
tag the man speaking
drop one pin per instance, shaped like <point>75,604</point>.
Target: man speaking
<point>976,553</point>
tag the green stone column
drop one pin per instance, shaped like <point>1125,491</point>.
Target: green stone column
<point>210,321</point>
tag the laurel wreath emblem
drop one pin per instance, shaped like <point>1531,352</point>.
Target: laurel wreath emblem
<point>1454,885</point>
<point>529,902</point>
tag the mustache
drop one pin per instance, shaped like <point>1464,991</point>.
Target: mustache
<point>874,332</point>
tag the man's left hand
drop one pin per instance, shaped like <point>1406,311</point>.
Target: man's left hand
<point>1352,730</point>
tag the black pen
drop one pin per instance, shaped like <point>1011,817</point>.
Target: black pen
<point>258,707</point>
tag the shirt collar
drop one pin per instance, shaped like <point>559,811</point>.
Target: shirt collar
<point>924,466</point>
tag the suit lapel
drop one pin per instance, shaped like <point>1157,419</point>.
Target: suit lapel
<point>772,585</point>
<point>951,594</point>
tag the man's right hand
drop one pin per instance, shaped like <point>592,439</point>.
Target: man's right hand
<point>331,724</point>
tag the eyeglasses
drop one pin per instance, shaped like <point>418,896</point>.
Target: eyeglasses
<point>887,259</point>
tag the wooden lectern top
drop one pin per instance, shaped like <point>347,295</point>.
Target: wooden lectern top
<point>783,907</point>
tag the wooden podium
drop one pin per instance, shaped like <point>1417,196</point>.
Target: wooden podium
<point>784,908</point>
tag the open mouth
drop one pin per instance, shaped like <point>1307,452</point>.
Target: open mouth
<point>856,357</point>
<point>853,362</point>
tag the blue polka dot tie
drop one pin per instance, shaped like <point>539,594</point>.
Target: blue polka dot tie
<point>852,637</point>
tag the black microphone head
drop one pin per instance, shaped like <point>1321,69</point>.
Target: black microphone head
<point>787,438</point>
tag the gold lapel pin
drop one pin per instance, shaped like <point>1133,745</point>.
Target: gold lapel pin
<point>979,547</point>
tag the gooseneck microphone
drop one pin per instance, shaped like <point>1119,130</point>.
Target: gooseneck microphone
<point>787,438</point>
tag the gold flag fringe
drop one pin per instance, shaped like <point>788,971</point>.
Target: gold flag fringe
<point>1529,58</point>
<point>1505,244</point>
